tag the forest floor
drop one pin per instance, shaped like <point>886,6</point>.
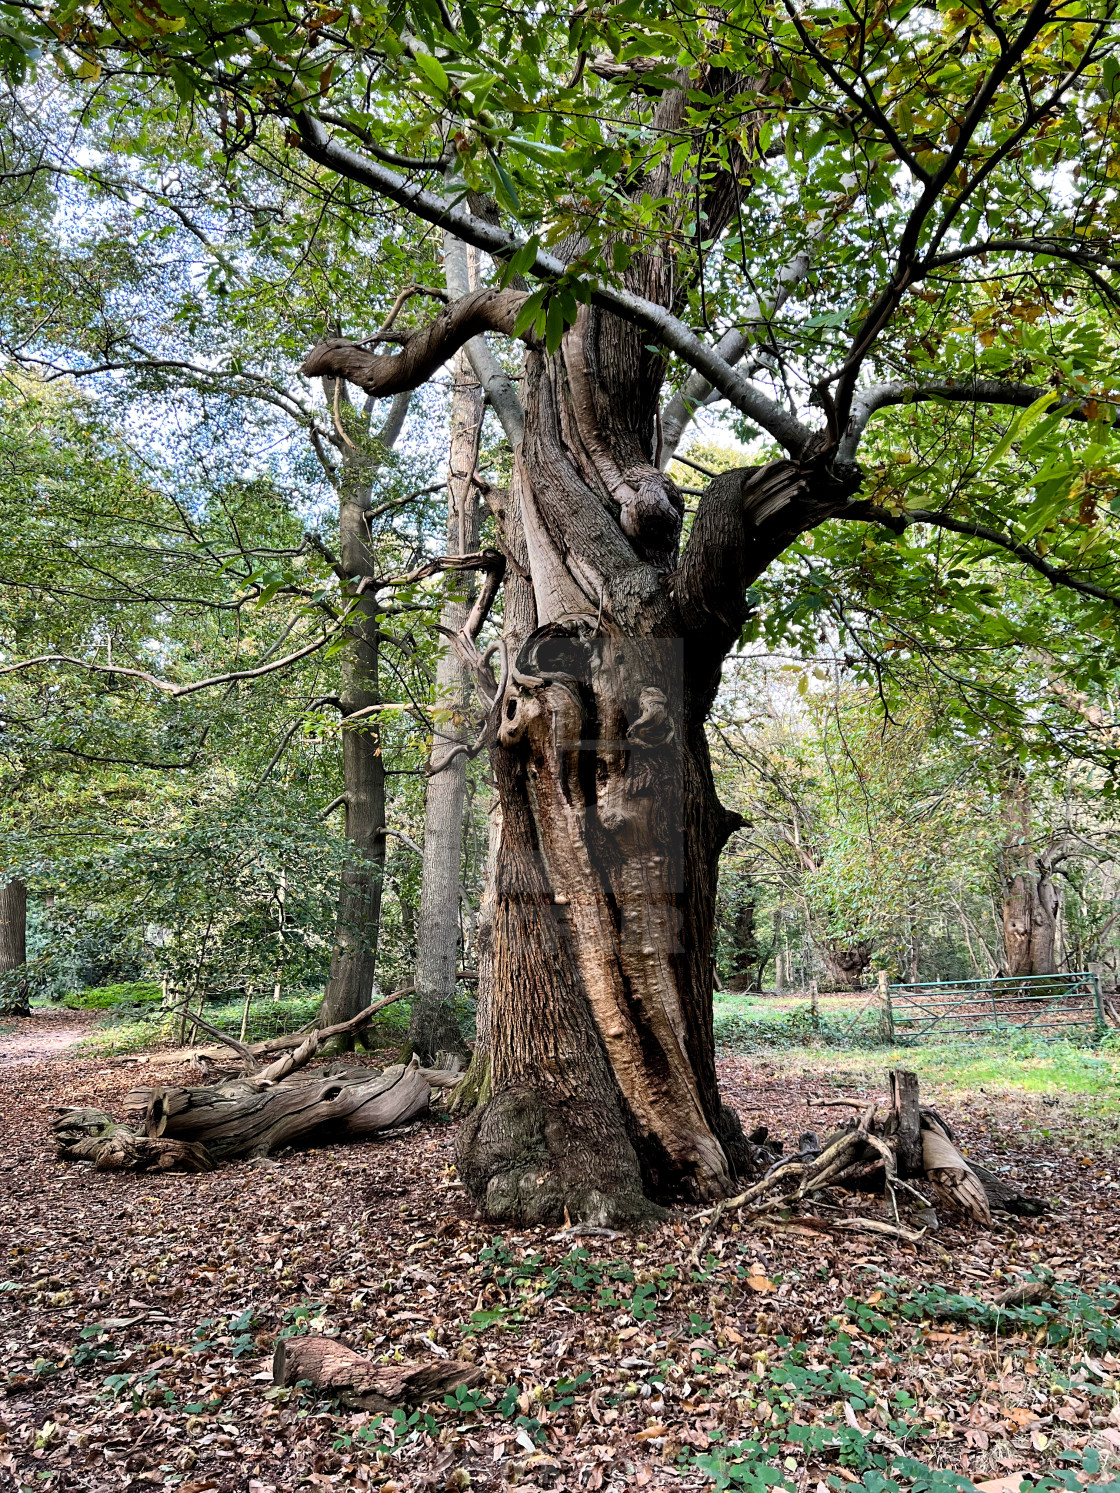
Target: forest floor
<point>140,1314</point>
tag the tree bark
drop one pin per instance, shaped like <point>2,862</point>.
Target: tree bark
<point>846,963</point>
<point>433,1025</point>
<point>354,956</point>
<point>237,1119</point>
<point>361,1383</point>
<point>603,1095</point>
<point>1030,897</point>
<point>13,943</point>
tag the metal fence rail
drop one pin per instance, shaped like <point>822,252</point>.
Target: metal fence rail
<point>1050,1005</point>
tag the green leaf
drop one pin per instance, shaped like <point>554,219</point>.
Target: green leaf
<point>433,71</point>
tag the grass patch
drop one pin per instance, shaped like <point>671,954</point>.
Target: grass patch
<point>746,1023</point>
<point>134,1026</point>
<point>132,993</point>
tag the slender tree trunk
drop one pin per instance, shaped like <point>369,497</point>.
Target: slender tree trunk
<point>1030,898</point>
<point>354,957</point>
<point>433,1025</point>
<point>13,940</point>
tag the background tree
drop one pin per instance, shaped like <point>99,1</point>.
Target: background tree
<point>926,158</point>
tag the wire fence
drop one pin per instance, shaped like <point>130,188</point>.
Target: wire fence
<point>248,1007</point>
<point>1048,1006</point>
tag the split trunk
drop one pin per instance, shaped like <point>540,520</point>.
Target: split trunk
<point>603,1098</point>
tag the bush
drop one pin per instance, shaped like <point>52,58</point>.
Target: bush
<point>798,1028</point>
<point>111,997</point>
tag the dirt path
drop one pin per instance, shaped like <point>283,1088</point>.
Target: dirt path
<point>34,1039</point>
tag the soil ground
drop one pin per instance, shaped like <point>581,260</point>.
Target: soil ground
<point>140,1313</point>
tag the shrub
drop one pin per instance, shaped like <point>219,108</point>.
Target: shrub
<point>110,997</point>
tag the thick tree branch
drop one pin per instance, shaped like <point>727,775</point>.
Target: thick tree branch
<point>499,391</point>
<point>1055,574</point>
<point>1053,248</point>
<point>430,207</point>
<point>744,520</point>
<point>973,391</point>
<point>423,352</point>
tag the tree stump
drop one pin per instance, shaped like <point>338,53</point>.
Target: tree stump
<point>908,1128</point>
<point>330,1365</point>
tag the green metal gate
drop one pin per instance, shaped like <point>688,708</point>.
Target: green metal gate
<point>1050,1005</point>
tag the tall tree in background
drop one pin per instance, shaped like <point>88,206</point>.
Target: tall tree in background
<point>13,944</point>
<point>433,1026</point>
<point>1030,896</point>
<point>650,170</point>
<point>359,566</point>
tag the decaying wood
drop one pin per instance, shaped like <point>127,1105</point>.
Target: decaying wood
<point>908,1129</point>
<point>241,1119</point>
<point>1005,1198</point>
<point>1028,1293</point>
<point>843,1162</point>
<point>330,1365</point>
<point>90,1135</point>
<point>193,1128</point>
<point>950,1175</point>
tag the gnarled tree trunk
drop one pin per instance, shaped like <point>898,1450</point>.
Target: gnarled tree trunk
<point>846,963</point>
<point>603,1095</point>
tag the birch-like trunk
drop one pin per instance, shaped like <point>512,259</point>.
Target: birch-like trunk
<point>433,1025</point>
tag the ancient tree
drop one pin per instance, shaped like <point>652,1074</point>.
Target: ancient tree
<point>629,178</point>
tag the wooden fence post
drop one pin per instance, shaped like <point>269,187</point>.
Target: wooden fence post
<point>885,1003</point>
<point>245,1009</point>
<point>814,1008</point>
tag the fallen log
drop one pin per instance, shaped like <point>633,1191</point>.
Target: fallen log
<point>1003,1197</point>
<point>242,1119</point>
<point>361,1384</point>
<point>91,1135</point>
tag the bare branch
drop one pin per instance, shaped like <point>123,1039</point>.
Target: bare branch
<point>423,352</point>
<point>176,691</point>
<point>973,391</point>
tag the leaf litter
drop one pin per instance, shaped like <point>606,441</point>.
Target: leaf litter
<point>141,1314</point>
